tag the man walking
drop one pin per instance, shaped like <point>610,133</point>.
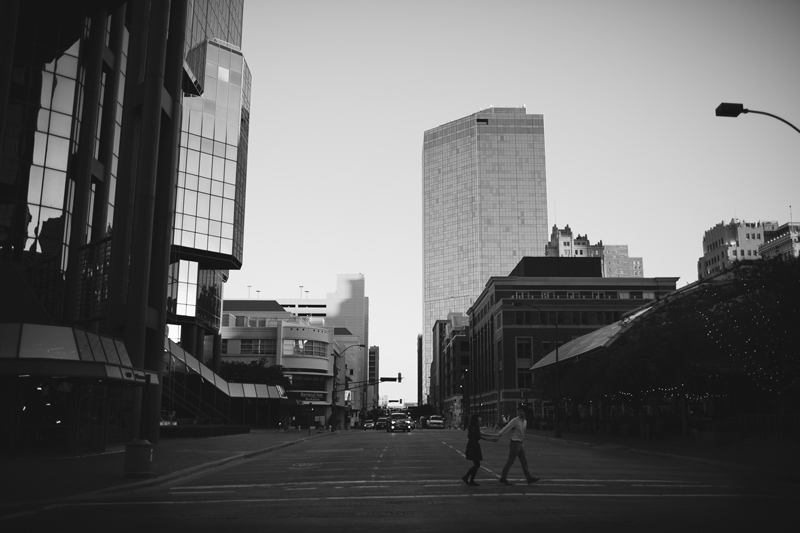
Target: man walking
<point>516,428</point>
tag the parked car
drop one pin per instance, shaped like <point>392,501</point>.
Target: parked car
<point>381,423</point>
<point>369,424</point>
<point>399,422</point>
<point>436,422</point>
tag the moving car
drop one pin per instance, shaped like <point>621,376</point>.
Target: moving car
<point>369,424</point>
<point>436,422</point>
<point>381,423</point>
<point>399,422</point>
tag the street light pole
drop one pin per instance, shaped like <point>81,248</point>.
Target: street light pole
<point>557,418</point>
<point>734,110</point>
<point>334,395</point>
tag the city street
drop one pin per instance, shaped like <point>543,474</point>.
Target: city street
<point>363,480</point>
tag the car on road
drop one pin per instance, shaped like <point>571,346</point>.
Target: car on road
<point>399,422</point>
<point>436,422</point>
<point>369,424</point>
<point>381,423</point>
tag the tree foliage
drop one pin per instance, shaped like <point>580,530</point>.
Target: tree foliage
<point>259,371</point>
<point>740,331</point>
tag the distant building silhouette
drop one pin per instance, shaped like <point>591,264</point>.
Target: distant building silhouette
<point>615,262</point>
<point>725,244</point>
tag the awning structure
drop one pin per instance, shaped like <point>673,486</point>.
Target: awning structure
<point>180,361</point>
<point>45,350</point>
<point>591,342</point>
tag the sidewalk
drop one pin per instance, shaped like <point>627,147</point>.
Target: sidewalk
<point>31,482</point>
<point>772,457</point>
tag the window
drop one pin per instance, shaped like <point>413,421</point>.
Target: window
<point>258,347</point>
<point>310,383</point>
<point>305,347</point>
<point>524,348</point>
<point>224,349</point>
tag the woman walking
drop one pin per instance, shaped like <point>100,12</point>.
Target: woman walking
<point>473,453</point>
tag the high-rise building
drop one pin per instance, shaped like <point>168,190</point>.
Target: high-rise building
<point>208,232</point>
<point>112,114</point>
<point>484,207</point>
<point>614,258</point>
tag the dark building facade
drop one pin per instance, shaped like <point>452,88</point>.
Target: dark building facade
<point>520,318</point>
<point>451,356</point>
<point>96,142</point>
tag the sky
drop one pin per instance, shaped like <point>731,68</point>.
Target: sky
<point>343,91</point>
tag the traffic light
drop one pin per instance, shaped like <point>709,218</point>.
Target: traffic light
<point>399,377</point>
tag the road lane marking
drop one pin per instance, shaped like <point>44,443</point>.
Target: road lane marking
<point>204,492</point>
<point>377,464</point>
<point>369,483</point>
<point>474,495</point>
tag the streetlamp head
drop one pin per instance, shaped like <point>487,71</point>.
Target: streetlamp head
<point>730,110</point>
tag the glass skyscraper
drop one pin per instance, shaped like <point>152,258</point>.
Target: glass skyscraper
<point>484,208</point>
<point>123,157</point>
<point>208,234</point>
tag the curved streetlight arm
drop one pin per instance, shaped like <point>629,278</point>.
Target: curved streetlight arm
<point>773,116</point>
<point>727,109</point>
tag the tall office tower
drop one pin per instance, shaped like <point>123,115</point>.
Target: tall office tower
<point>484,207</point>
<point>96,116</point>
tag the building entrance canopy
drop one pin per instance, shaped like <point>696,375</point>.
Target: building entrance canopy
<point>181,362</point>
<point>44,350</point>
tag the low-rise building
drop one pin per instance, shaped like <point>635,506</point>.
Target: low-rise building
<point>255,329</point>
<point>783,241</point>
<point>615,262</point>
<point>517,319</point>
<point>725,244</point>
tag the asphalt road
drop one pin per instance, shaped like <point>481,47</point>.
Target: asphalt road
<point>376,481</point>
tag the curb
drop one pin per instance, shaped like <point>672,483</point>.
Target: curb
<point>789,476</point>
<point>26,508</point>
<point>192,470</point>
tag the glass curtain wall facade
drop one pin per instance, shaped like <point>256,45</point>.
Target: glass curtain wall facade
<point>90,145</point>
<point>208,234</point>
<point>44,155</point>
<point>87,178</point>
<point>484,208</point>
